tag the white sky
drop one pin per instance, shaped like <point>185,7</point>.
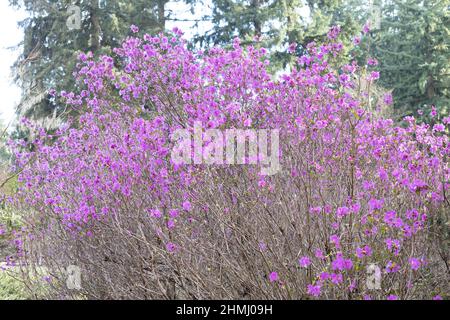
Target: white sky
<point>10,35</point>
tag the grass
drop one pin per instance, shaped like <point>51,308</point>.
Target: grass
<point>11,288</point>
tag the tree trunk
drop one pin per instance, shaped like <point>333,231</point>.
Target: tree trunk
<point>95,26</point>
<point>162,14</point>
<point>255,4</point>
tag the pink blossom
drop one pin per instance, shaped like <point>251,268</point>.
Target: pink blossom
<point>292,47</point>
<point>313,290</point>
<point>304,261</point>
<point>155,213</point>
<point>415,263</point>
<point>273,276</point>
<point>134,29</point>
<point>187,206</point>
<point>319,254</point>
<point>171,247</point>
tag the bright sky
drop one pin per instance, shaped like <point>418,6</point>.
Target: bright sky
<point>10,36</point>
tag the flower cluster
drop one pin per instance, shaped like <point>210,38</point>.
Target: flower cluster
<point>355,189</point>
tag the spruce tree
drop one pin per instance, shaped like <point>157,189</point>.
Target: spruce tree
<point>57,30</point>
<point>275,24</point>
<point>412,47</point>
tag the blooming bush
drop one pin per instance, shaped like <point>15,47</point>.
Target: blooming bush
<point>356,192</point>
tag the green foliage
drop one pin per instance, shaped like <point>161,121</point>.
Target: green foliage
<point>50,48</point>
<point>10,219</point>
<point>411,43</point>
<point>413,47</point>
<point>276,24</point>
<point>24,284</point>
<point>11,287</point>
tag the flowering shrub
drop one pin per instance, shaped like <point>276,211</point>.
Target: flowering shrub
<point>355,193</point>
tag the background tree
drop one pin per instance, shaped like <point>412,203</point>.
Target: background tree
<point>50,46</point>
<point>275,24</point>
<point>412,46</point>
<point>411,40</point>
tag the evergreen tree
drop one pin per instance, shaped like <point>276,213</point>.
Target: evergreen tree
<point>412,47</point>
<point>276,23</point>
<point>57,30</point>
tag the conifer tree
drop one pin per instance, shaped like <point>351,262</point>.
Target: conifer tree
<point>275,24</point>
<point>57,30</point>
<point>413,49</point>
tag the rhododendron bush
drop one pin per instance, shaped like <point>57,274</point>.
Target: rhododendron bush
<point>356,211</point>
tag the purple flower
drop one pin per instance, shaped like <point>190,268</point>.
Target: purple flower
<point>365,251</point>
<point>187,206</point>
<point>170,224</point>
<point>412,214</point>
<point>304,261</point>
<point>173,213</point>
<point>368,250</point>
<point>341,264</point>
<point>433,112</point>
<point>393,245</point>
<point>134,29</point>
<point>372,62</point>
<point>52,91</point>
<point>336,278</point>
<point>356,207</point>
<point>392,297</point>
<point>334,32</point>
<point>389,217</point>
<point>171,247</point>
<point>375,204</point>
<point>315,210</point>
<point>374,75</point>
<point>314,290</point>
<point>321,124</point>
<point>273,276</point>
<point>439,127</point>
<point>383,174</point>
<point>342,212</point>
<point>415,263</point>
<point>155,213</point>
<point>391,267</point>
<point>366,28</point>
<point>387,98</point>
<point>262,246</point>
<point>437,297</point>
<point>324,276</point>
<point>319,254</point>
<point>418,185</point>
<point>292,47</point>
<point>335,239</point>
